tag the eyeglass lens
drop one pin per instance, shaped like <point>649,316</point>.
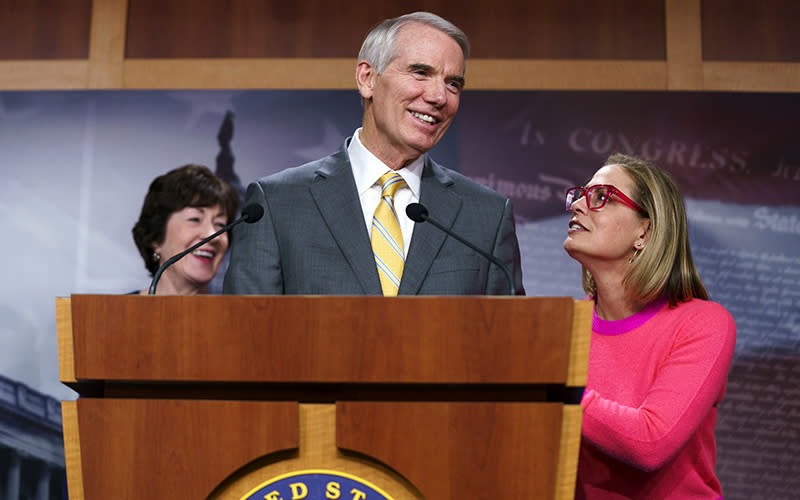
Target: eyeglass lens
<point>572,196</point>
<point>596,196</point>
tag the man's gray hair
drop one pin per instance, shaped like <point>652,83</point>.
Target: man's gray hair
<point>378,48</point>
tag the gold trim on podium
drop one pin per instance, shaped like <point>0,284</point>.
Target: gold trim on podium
<point>317,451</point>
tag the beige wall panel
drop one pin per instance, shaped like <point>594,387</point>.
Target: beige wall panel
<point>751,77</point>
<point>493,74</point>
<point>240,74</point>
<point>684,45</point>
<point>43,75</point>
<point>482,74</point>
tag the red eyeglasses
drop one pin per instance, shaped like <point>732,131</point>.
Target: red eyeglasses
<point>597,197</point>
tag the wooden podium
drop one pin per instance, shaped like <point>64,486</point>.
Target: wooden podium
<point>213,396</point>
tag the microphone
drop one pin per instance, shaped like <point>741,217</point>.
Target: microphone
<point>250,214</point>
<point>418,213</point>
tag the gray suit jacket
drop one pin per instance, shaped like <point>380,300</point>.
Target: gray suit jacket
<point>313,240</point>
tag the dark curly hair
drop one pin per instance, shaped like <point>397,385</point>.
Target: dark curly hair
<point>186,186</point>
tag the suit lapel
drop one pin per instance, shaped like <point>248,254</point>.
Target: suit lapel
<point>443,205</point>
<point>334,192</point>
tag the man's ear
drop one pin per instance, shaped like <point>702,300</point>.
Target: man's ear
<point>365,78</point>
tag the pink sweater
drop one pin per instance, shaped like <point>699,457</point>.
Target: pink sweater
<point>650,404</point>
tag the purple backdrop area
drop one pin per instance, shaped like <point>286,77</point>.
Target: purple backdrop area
<point>76,165</point>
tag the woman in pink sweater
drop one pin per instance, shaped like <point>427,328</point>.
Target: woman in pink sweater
<point>660,350</point>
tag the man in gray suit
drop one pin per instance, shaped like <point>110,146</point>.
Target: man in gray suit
<point>315,235</point>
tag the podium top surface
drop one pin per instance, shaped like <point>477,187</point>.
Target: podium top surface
<point>321,339</point>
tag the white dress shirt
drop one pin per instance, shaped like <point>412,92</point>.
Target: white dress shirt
<point>368,169</point>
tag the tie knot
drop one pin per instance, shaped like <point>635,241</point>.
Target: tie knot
<point>390,182</point>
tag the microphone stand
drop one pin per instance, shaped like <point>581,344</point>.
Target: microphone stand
<point>418,213</point>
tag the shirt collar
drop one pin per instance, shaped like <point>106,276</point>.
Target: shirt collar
<point>367,168</point>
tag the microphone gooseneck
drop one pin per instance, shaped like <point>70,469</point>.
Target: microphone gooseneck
<point>418,213</point>
<point>250,214</point>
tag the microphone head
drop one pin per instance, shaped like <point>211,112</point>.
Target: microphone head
<point>417,212</point>
<point>253,212</point>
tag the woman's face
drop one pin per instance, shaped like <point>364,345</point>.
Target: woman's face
<point>608,236</point>
<point>185,228</point>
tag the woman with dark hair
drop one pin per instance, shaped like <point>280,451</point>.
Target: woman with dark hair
<point>181,208</point>
<point>660,350</point>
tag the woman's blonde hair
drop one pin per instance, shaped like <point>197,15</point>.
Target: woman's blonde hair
<point>665,265</point>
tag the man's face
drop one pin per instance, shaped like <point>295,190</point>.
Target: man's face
<point>409,107</point>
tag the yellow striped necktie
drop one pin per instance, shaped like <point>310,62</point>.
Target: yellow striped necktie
<point>387,239</point>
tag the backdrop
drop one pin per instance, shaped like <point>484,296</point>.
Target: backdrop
<point>76,166</point>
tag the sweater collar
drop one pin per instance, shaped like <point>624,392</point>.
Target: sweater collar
<point>617,327</point>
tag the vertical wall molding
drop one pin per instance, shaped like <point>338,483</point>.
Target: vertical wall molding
<point>107,44</point>
<point>684,45</point>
